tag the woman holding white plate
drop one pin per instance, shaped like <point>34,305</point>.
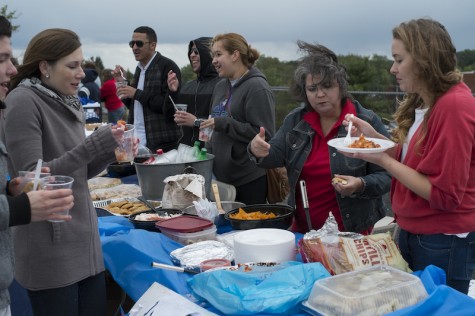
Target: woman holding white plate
<point>321,83</point>
<point>433,168</point>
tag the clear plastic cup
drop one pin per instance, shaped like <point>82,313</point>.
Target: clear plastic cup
<point>205,134</point>
<point>125,151</point>
<point>181,107</point>
<point>119,84</point>
<point>56,183</point>
<point>27,180</point>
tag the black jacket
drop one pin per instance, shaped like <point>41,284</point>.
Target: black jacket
<point>197,93</point>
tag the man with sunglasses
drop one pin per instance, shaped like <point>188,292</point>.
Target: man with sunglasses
<point>148,97</point>
<point>195,93</point>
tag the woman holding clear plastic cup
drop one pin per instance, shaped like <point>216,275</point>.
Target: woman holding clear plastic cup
<point>44,119</point>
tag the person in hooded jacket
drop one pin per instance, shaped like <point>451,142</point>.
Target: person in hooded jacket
<point>195,93</point>
<point>239,106</point>
<point>89,82</point>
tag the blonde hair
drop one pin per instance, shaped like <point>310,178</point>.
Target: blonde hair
<point>435,61</point>
<point>234,42</point>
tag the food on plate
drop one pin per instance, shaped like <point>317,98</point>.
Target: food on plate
<point>102,183</point>
<point>154,217</point>
<point>118,191</point>
<point>339,180</point>
<point>363,143</point>
<point>243,215</point>
<point>126,207</point>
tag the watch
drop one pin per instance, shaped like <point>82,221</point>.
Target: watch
<point>197,123</point>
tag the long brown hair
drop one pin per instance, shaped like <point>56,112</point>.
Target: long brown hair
<point>49,45</point>
<point>435,61</point>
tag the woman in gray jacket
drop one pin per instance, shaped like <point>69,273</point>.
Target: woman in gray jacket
<point>239,106</point>
<point>60,263</point>
<point>300,145</point>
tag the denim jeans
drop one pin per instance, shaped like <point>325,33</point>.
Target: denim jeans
<point>454,255</point>
<point>114,116</point>
<point>86,297</point>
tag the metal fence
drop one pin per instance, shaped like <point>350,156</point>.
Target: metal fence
<point>383,103</point>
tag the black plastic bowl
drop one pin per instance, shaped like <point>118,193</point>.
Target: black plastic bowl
<point>283,220</point>
<point>150,225</point>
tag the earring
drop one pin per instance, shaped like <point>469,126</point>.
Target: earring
<point>47,76</point>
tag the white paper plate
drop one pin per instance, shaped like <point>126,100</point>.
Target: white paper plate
<point>338,144</point>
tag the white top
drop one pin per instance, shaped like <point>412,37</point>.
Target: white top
<point>139,121</point>
<point>417,122</point>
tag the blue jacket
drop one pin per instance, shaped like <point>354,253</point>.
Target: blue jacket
<point>291,146</point>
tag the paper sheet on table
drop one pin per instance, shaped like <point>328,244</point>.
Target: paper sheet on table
<point>163,301</point>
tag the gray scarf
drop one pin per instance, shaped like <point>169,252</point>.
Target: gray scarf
<point>68,100</point>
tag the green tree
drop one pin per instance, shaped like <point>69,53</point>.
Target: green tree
<point>466,60</point>
<point>10,16</point>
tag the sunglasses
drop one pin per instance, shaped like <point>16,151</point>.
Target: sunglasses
<point>138,43</point>
<point>195,51</point>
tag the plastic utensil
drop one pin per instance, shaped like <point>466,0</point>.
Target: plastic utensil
<point>36,180</point>
<point>217,198</point>
<point>173,268</point>
<point>303,191</point>
<point>347,140</point>
<point>174,105</point>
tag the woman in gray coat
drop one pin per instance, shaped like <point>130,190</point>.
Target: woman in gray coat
<point>60,263</point>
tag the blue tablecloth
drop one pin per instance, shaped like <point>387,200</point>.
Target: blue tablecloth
<point>128,254</point>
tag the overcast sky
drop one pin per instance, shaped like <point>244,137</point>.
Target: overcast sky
<point>360,27</point>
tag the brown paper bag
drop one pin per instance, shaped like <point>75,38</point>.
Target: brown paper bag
<point>181,190</point>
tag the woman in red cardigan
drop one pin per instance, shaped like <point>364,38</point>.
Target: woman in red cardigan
<point>433,168</point>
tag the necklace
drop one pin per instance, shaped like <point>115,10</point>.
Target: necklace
<point>247,70</point>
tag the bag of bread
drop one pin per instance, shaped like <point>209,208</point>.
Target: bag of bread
<point>343,252</point>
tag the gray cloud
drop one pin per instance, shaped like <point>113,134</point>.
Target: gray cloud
<point>346,26</point>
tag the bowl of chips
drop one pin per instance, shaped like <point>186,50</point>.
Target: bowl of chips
<point>261,216</point>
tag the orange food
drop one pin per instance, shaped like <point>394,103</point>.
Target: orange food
<point>243,215</point>
<point>122,122</point>
<point>364,143</point>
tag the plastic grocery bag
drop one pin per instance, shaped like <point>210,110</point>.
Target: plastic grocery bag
<point>249,293</point>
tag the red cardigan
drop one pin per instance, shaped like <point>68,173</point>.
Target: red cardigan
<point>447,157</point>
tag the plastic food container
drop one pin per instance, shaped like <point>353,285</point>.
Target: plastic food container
<point>190,238</point>
<point>185,224</point>
<point>376,290</point>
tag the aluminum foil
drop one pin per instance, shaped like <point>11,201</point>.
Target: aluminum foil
<point>192,255</point>
<point>330,230</point>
